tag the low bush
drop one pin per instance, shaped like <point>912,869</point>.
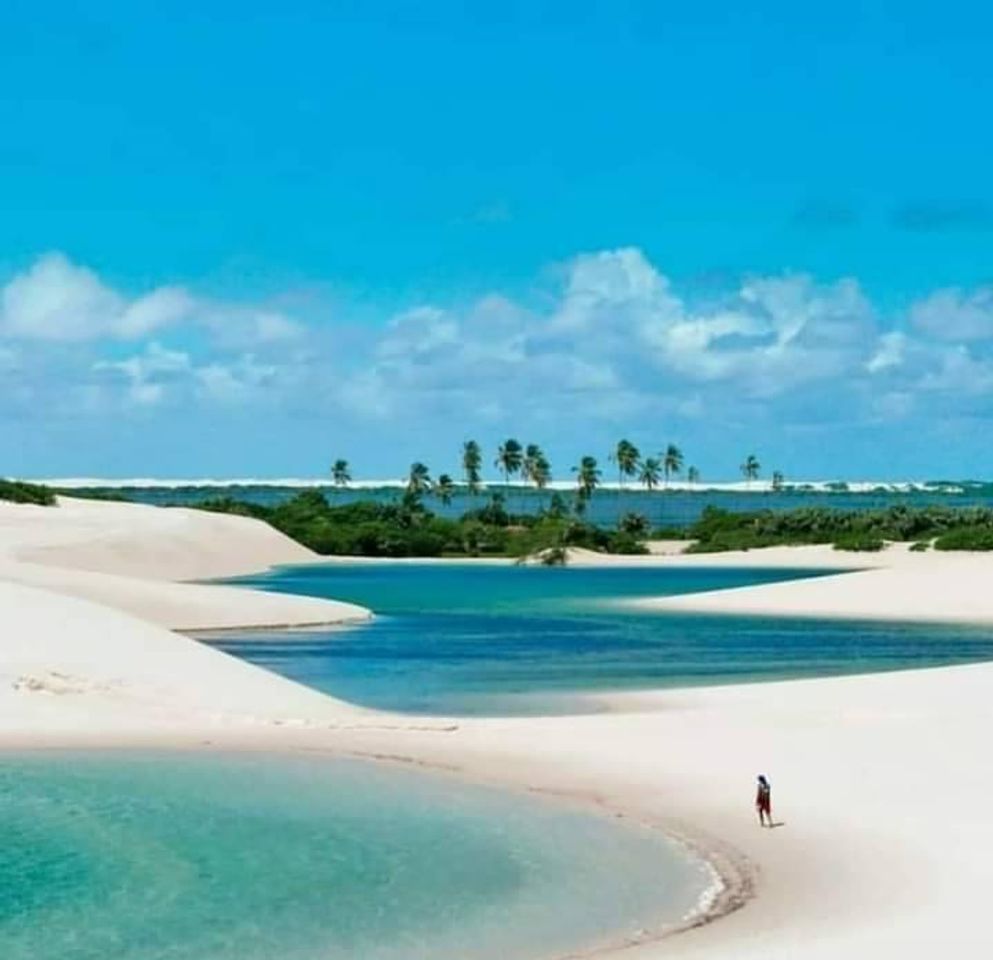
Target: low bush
<point>626,543</point>
<point>17,491</point>
<point>859,542</point>
<point>966,538</point>
<point>964,528</point>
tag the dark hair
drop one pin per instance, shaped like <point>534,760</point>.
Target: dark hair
<point>762,779</point>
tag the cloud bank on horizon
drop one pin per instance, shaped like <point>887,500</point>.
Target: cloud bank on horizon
<point>612,349</point>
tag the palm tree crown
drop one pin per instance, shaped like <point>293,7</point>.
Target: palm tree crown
<point>472,464</point>
<point>445,489</point>
<point>626,455</point>
<point>341,473</point>
<point>535,466</point>
<point>751,467</point>
<point>672,460</point>
<point>651,473</point>
<point>693,475</point>
<point>419,479</point>
<point>587,477</point>
<point>510,458</point>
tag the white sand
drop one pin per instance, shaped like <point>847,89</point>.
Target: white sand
<point>896,584</point>
<point>126,555</point>
<point>884,782</point>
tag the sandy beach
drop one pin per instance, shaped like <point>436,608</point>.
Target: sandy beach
<point>881,782</point>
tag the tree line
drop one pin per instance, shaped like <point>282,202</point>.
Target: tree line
<point>530,464</point>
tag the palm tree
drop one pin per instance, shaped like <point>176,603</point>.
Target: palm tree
<point>651,473</point>
<point>510,459</point>
<point>778,480</point>
<point>587,480</point>
<point>672,461</point>
<point>531,454</point>
<point>445,489</point>
<point>750,468</point>
<point>626,455</point>
<point>693,475</point>
<point>341,473</point>
<point>541,474</point>
<point>419,480</point>
<point>472,464</point>
<point>536,467</point>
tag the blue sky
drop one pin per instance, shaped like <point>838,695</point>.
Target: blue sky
<point>244,239</point>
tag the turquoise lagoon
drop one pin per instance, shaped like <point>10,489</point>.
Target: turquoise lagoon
<point>463,638</point>
<point>173,856</point>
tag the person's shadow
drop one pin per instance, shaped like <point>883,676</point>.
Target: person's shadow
<point>776,823</point>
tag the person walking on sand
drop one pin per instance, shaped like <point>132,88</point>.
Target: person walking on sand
<point>763,802</point>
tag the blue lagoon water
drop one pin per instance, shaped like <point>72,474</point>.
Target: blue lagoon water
<point>240,857</point>
<point>478,639</point>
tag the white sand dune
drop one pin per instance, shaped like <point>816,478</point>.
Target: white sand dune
<point>72,669</point>
<point>883,782</point>
<point>128,555</point>
<point>896,584</point>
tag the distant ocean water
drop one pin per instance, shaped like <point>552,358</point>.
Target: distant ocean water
<point>236,857</point>
<point>468,639</point>
<point>677,505</point>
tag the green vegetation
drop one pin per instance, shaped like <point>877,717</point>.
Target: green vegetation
<point>969,528</point>
<point>627,457</point>
<point>510,459</point>
<point>651,471</point>
<point>408,529</point>
<point>966,538</point>
<point>587,480</point>
<point>95,493</point>
<point>672,461</point>
<point>19,492</point>
<point>750,468</point>
<point>859,542</point>
<point>472,465</point>
<point>341,474</point>
<point>535,466</point>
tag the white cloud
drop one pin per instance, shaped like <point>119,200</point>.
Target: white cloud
<point>953,314</point>
<point>158,375</point>
<point>56,300</point>
<point>618,341</point>
<point>160,308</point>
<point>148,374</point>
<point>615,344</point>
<point>890,352</point>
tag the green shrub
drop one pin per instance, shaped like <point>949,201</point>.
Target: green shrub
<point>721,530</point>
<point>20,492</point>
<point>669,533</point>
<point>976,538</point>
<point>635,524</point>
<point>626,543</point>
<point>921,546</point>
<point>860,542</point>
